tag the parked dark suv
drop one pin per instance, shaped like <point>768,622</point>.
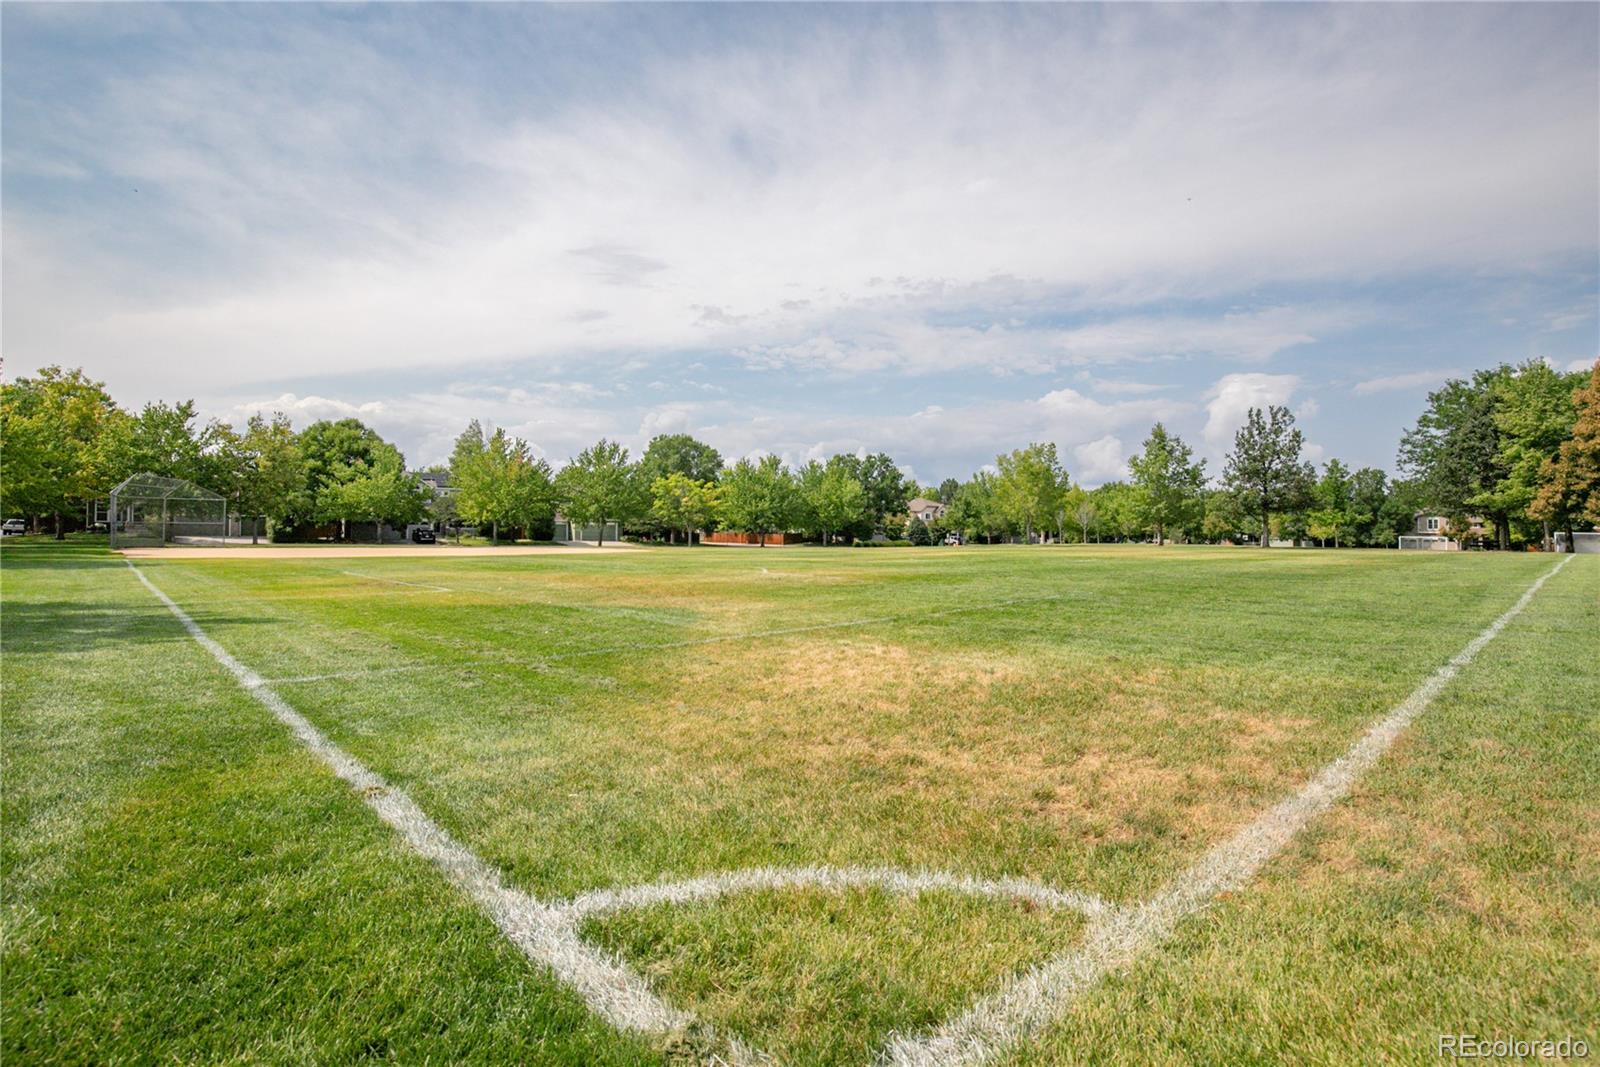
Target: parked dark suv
<point>423,536</point>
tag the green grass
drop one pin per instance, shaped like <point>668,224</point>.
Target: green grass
<point>182,882</point>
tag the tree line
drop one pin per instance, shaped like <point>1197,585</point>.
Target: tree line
<point>1516,447</point>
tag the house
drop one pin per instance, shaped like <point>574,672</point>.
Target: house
<point>927,510</point>
<point>1426,525</point>
<point>435,482</point>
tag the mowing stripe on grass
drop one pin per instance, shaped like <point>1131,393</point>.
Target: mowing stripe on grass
<point>1032,1000</point>
<point>805,629</point>
<point>396,581</point>
<point>362,673</point>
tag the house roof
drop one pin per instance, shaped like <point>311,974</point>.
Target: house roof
<point>922,504</point>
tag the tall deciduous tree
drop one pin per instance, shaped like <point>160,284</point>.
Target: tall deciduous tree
<point>54,426</point>
<point>1030,485</point>
<point>376,492</point>
<point>1369,488</point>
<point>887,489</point>
<point>1330,517</point>
<point>340,452</point>
<point>757,498</point>
<point>831,499</point>
<point>599,487</point>
<point>1116,507</point>
<point>1534,414</point>
<point>1264,468</point>
<point>679,453</point>
<point>1453,453</point>
<point>275,475</point>
<point>680,503</point>
<point>1569,482</point>
<point>1169,482</point>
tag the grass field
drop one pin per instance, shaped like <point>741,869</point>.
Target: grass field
<point>184,881</point>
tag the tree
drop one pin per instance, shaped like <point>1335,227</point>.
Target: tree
<point>1086,514</point>
<point>1264,468</point>
<point>757,498</point>
<point>831,499</point>
<point>1454,452</point>
<point>1030,485</point>
<point>948,490</point>
<point>1330,516</point>
<point>917,533</point>
<point>340,452</point>
<point>681,503</point>
<point>598,487</point>
<point>1168,480</point>
<point>976,512</point>
<point>274,486</point>
<point>163,439</point>
<point>1534,415</point>
<point>378,492</point>
<point>1569,481</point>
<point>498,481</point>
<point>679,453</point>
<point>524,490</point>
<point>471,475</point>
<point>1072,508</point>
<point>887,489</point>
<point>1398,514</point>
<point>1369,489</point>
<point>673,453</point>
<point>1224,517</point>
<point>1116,507</point>
<point>54,427</point>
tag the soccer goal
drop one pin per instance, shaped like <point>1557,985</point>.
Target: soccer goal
<point>152,510</point>
<point>1428,542</point>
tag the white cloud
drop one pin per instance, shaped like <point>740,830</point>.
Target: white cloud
<point>1229,401</point>
<point>1583,364</point>
<point>1101,460</point>
<point>1398,382</point>
<point>1120,387</point>
<point>306,409</point>
<point>425,424</point>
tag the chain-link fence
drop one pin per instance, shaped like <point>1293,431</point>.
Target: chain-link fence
<point>151,510</point>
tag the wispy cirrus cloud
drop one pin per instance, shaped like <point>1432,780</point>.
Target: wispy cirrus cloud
<point>1393,383</point>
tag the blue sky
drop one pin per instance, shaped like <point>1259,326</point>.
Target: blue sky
<point>937,231</point>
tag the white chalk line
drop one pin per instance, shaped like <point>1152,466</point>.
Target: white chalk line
<point>396,581</point>
<point>890,879</point>
<point>1027,1003</point>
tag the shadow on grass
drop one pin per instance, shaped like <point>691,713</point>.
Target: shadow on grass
<point>67,626</point>
<point>31,552</point>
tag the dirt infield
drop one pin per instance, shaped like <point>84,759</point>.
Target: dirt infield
<point>363,551</point>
